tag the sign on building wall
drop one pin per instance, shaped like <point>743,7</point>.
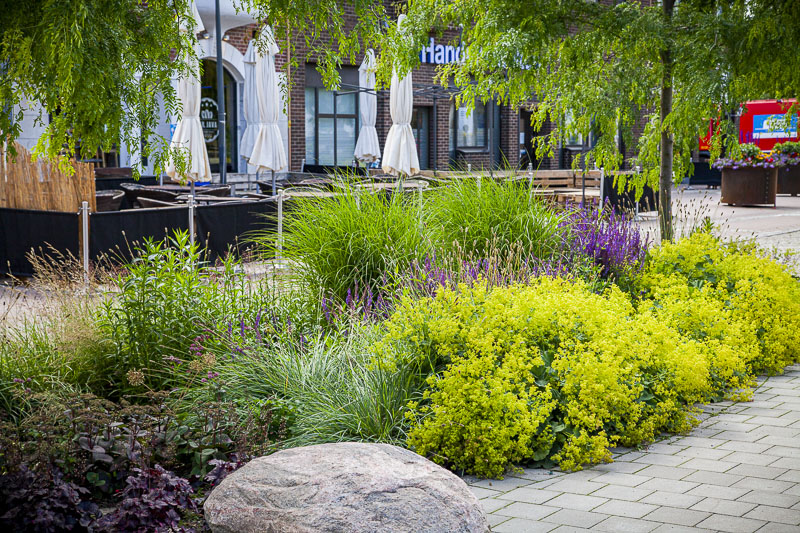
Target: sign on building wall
<point>209,116</point>
<point>440,54</point>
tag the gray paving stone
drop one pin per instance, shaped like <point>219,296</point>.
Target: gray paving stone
<point>503,485</point>
<point>673,515</point>
<point>770,498</point>
<point>529,495</point>
<point>538,474</point>
<point>662,459</point>
<point>618,478</point>
<point>765,472</point>
<point>705,453</point>
<point>775,514</point>
<point>666,472</point>
<point>775,440</point>
<point>782,451</point>
<point>713,478</point>
<point>717,506</point>
<point>742,436</point>
<point>718,491</point>
<point>731,524</point>
<point>629,509</point>
<point>775,527</point>
<point>672,499</point>
<point>794,490</point>
<point>496,519</point>
<point>490,505</point>
<point>672,528</point>
<point>749,447</point>
<point>526,510</point>
<point>480,492</point>
<point>521,525</point>
<point>620,492</point>
<point>621,524</point>
<point>708,465</point>
<point>664,448</point>
<point>790,475</point>
<point>769,485</point>
<point>625,468</point>
<point>750,458</point>
<point>792,463</point>
<point>756,411</point>
<point>704,442</point>
<point>580,502</point>
<point>571,517</point>
<point>669,485</point>
<point>577,487</point>
<point>570,529</point>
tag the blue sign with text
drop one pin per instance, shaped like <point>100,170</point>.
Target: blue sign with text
<point>773,127</point>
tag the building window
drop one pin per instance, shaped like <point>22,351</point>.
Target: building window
<point>331,126</point>
<point>470,126</point>
<point>571,138</point>
<point>209,115</point>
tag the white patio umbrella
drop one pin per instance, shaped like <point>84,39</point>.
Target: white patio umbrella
<point>268,153</point>
<point>367,147</point>
<point>250,104</point>
<point>400,153</point>
<point>188,133</point>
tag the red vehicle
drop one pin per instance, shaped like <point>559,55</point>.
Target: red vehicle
<point>762,123</point>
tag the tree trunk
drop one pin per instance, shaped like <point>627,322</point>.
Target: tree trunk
<point>667,140</point>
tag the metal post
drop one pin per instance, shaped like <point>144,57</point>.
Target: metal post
<point>602,187</point>
<point>530,182</point>
<point>279,253</point>
<point>191,216</point>
<point>85,239</point>
<point>274,187</point>
<point>223,148</point>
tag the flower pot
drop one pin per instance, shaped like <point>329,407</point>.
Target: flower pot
<point>749,185</point>
<point>789,180</point>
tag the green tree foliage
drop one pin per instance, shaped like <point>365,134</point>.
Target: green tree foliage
<point>614,66</point>
<point>97,67</point>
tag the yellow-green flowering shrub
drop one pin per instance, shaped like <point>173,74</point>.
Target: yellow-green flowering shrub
<point>552,370</point>
<point>729,296</point>
<point>543,370</point>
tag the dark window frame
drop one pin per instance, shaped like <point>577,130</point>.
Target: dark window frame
<point>335,116</point>
<point>486,141</point>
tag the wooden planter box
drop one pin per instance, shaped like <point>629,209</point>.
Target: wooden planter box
<point>749,186</point>
<point>789,180</point>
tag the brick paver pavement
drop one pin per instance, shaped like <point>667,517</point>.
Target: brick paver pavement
<point>739,471</point>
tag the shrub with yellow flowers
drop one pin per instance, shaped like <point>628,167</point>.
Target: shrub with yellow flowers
<point>551,371</point>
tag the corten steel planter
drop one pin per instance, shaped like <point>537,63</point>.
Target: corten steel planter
<point>789,180</point>
<point>749,186</point>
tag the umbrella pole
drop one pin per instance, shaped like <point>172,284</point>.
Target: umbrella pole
<point>274,187</point>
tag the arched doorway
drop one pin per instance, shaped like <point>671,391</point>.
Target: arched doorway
<point>209,115</point>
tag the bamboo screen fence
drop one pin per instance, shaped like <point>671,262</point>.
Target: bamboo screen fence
<point>39,184</point>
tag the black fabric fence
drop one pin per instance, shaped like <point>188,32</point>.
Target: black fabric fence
<point>627,200</point>
<point>705,175</point>
<point>117,234</point>
<point>224,228</point>
<point>45,232</point>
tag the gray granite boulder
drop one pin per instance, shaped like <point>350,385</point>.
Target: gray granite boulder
<point>345,487</point>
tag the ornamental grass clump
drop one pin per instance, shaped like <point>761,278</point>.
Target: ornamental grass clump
<point>475,218</point>
<point>348,241</point>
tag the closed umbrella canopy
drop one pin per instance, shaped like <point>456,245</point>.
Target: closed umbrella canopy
<point>367,148</point>
<point>400,152</point>
<point>188,135</point>
<point>250,102</point>
<point>268,153</point>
